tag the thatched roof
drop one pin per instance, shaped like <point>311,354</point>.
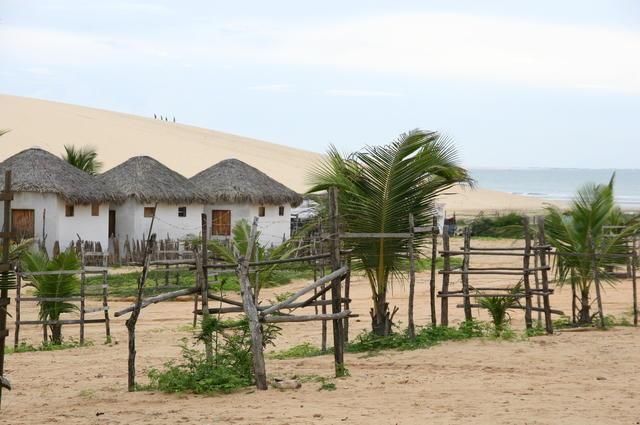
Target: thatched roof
<point>234,181</point>
<point>36,170</point>
<point>148,180</point>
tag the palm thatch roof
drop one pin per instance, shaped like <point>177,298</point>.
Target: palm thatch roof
<point>234,181</point>
<point>148,180</point>
<point>36,170</point>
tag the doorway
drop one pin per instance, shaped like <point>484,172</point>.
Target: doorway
<point>23,223</point>
<point>112,223</point>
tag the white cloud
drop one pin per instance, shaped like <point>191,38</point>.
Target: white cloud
<point>359,93</point>
<point>430,45</point>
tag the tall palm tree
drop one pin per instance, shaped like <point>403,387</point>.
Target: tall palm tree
<point>53,286</point>
<point>84,158</point>
<point>582,230</point>
<point>378,188</point>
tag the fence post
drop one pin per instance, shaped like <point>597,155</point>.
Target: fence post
<point>634,264</point>
<point>412,280</point>
<point>444,301</point>
<point>16,335</point>
<point>465,273</point>
<point>525,278</point>
<point>201,270</point>
<point>432,279</point>
<point>338,330</point>
<point>545,277</point>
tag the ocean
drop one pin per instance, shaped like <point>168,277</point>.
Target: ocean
<point>559,183</point>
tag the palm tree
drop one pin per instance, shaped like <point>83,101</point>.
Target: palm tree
<point>241,234</point>
<point>582,230</point>
<point>498,307</point>
<point>378,188</point>
<point>53,286</point>
<point>85,158</point>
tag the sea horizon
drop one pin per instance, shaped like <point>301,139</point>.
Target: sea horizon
<point>559,184</point>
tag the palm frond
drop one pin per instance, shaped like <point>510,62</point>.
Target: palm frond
<point>84,158</point>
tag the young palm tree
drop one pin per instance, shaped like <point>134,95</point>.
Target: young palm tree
<point>582,230</point>
<point>85,158</point>
<point>498,307</point>
<point>378,188</point>
<point>53,286</point>
<point>241,234</point>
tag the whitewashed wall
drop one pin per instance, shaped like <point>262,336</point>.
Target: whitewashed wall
<point>57,226</point>
<point>130,220</point>
<point>272,227</point>
<point>88,227</point>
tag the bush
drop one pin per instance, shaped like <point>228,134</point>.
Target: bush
<point>509,226</point>
<point>230,368</point>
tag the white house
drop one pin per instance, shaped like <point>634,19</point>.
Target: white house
<point>149,187</point>
<point>54,201</point>
<point>237,191</point>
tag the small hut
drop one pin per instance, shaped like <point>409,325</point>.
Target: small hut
<point>237,191</point>
<point>142,182</point>
<point>55,201</point>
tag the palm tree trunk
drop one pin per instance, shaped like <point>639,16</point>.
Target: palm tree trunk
<point>381,317</point>
<point>56,334</point>
<point>584,317</point>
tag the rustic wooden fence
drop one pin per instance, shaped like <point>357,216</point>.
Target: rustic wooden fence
<point>6,269</point>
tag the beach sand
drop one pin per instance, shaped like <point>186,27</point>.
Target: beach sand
<point>188,149</point>
<point>567,378</point>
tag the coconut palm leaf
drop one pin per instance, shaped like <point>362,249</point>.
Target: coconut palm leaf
<point>498,307</point>
<point>84,158</point>
<point>582,230</point>
<point>53,286</point>
<point>379,187</point>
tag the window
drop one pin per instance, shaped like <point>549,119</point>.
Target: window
<point>68,210</point>
<point>221,222</point>
<point>281,210</point>
<point>261,211</point>
<point>149,211</point>
<point>95,209</point>
<point>182,211</point>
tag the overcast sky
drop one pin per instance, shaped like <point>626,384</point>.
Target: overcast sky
<point>515,83</point>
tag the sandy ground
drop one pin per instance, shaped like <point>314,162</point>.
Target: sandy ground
<point>568,378</point>
<point>119,136</point>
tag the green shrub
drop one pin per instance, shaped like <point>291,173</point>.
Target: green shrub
<point>301,350</point>
<point>230,368</point>
<point>503,226</point>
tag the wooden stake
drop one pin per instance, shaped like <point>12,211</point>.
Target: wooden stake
<point>465,276</point>
<point>201,261</point>
<point>444,301</point>
<point>525,267</point>
<point>133,319</point>
<point>545,277</point>
<point>252,312</point>
<point>412,281</point>
<point>347,287</point>
<point>4,293</point>
<point>596,278</point>
<point>16,340</point>
<point>634,265</point>
<point>338,330</point>
<point>432,279</point>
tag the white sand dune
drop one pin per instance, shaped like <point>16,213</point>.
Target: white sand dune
<point>184,148</point>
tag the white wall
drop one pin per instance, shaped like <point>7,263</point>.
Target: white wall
<point>130,220</point>
<point>272,227</point>
<point>58,227</point>
<point>88,227</point>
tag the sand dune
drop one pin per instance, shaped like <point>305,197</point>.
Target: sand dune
<point>184,148</point>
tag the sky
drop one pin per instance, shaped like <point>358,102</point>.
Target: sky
<point>515,83</point>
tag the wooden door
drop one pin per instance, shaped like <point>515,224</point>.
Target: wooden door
<point>221,222</point>
<point>112,223</point>
<point>23,223</point>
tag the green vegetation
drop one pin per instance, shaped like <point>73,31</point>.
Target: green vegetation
<point>53,286</point>
<point>378,187</point>
<point>230,367</point>
<point>498,307</point>
<point>301,350</point>
<point>581,230</point>
<point>25,347</point>
<point>500,226</point>
<point>85,158</point>
<point>125,284</point>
